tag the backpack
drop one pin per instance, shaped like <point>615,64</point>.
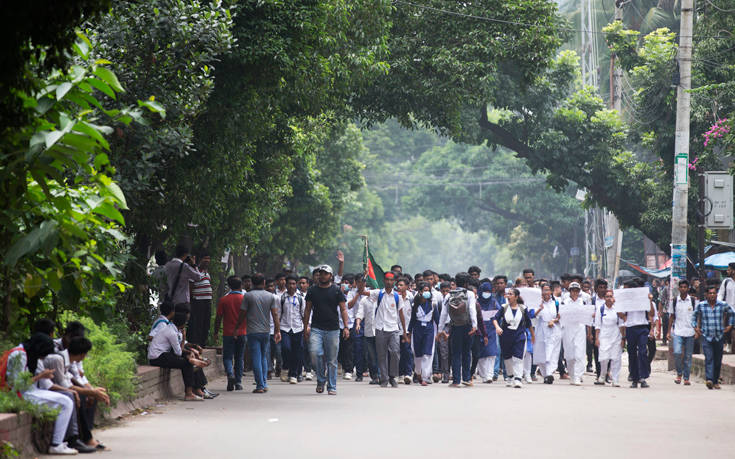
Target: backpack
<point>602,314</point>
<point>283,302</point>
<point>724,288</point>
<point>673,310</point>
<point>459,313</point>
<point>4,387</point>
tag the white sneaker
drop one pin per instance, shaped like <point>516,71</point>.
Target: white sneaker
<point>292,380</point>
<point>347,376</point>
<point>577,382</point>
<point>62,449</point>
<point>528,380</point>
<point>309,376</point>
<point>615,384</point>
<point>407,380</point>
<point>518,384</point>
<point>508,382</point>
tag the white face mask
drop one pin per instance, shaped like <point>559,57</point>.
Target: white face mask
<point>486,295</point>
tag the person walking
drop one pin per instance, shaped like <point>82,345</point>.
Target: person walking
<point>609,337</point>
<point>681,332</point>
<point>574,332</point>
<point>511,323</point>
<point>259,306</point>
<point>292,307</point>
<point>711,320</point>
<point>637,330</point>
<point>548,335</point>
<point>422,330</point>
<point>233,340</point>
<point>489,348</point>
<point>459,312</point>
<point>327,303</point>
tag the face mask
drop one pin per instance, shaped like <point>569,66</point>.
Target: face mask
<point>346,288</point>
<point>426,295</point>
<point>486,295</point>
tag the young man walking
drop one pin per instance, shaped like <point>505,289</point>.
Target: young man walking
<point>258,306</point>
<point>292,306</point>
<point>327,303</point>
<point>460,314</point>
<point>682,338</point>
<point>711,320</point>
<point>638,326</point>
<point>233,339</point>
<point>388,325</point>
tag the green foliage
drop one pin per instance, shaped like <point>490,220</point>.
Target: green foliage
<point>61,211</point>
<point>109,364</point>
<point>11,403</point>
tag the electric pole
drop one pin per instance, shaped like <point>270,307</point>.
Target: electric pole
<point>681,146</point>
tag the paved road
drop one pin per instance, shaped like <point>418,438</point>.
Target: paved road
<point>294,422</point>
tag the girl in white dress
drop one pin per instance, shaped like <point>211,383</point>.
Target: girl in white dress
<point>610,337</point>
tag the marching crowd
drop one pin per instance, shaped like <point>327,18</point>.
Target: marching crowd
<point>422,329</point>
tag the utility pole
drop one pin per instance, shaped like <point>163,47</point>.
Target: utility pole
<point>681,146</point>
<point>612,225</point>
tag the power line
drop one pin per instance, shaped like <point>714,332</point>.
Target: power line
<point>518,23</point>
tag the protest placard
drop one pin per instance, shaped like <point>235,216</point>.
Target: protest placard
<point>631,299</point>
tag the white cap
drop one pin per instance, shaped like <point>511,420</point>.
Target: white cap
<point>326,268</point>
<point>575,285</point>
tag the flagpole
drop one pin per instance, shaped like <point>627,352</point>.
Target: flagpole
<point>364,259</point>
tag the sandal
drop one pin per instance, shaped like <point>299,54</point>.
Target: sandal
<point>678,380</point>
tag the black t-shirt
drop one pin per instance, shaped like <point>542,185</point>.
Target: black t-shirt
<point>325,306</point>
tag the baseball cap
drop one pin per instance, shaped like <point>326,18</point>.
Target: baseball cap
<point>575,285</point>
<point>325,268</point>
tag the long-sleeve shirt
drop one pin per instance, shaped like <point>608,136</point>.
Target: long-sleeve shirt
<point>181,294</point>
<point>366,313</point>
<point>713,320</point>
<point>386,315</point>
<point>166,340</point>
<point>727,292</point>
<point>471,306</point>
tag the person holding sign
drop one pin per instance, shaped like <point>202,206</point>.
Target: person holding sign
<point>609,337</point>
<point>575,315</point>
<point>489,351</point>
<point>637,329</point>
<point>511,323</point>
<point>548,335</point>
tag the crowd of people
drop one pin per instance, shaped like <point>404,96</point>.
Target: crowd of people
<point>423,329</point>
<point>58,381</point>
<point>436,328</point>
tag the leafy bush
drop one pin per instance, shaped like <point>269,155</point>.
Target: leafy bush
<point>109,364</point>
<point>11,403</point>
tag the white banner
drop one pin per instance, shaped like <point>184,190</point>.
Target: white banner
<point>632,299</point>
<point>576,313</point>
<point>531,297</point>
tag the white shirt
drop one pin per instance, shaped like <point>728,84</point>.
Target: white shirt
<point>471,308</point>
<point>635,318</point>
<point>684,310</point>
<point>351,311</point>
<point>366,313</point>
<point>159,323</point>
<point>77,372</point>
<point>727,292</point>
<point>549,313</point>
<point>406,305</point>
<point>291,310</point>
<point>278,311</point>
<point>166,340</point>
<point>386,315</point>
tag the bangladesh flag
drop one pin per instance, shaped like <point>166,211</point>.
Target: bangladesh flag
<point>374,271</point>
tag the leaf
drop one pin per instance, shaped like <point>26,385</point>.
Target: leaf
<point>117,192</point>
<point>32,285</point>
<point>94,132</point>
<point>99,84</point>
<point>153,106</point>
<point>69,293</point>
<point>108,210</point>
<point>62,89</point>
<point>31,242</point>
<point>108,77</point>
<point>100,160</point>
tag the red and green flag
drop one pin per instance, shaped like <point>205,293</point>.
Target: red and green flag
<point>375,273</point>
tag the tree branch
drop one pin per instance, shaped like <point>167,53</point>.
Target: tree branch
<point>504,137</point>
<point>485,205</point>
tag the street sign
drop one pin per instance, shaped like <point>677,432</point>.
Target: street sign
<point>609,240</point>
<point>681,169</point>
<point>718,206</point>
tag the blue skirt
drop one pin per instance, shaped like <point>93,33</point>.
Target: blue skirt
<point>491,349</point>
<point>513,343</point>
<point>423,339</point>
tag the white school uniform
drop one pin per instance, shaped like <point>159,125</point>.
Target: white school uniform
<point>366,313</point>
<point>611,352</point>
<point>548,340</point>
<point>574,339</point>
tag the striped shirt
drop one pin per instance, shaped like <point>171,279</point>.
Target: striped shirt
<point>202,290</point>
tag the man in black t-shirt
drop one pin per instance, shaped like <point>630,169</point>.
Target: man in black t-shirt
<point>326,301</point>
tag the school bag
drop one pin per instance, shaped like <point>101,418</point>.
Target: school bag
<point>380,301</point>
<point>458,311</point>
<point>4,387</point>
<point>602,314</point>
<point>283,302</point>
<point>673,310</point>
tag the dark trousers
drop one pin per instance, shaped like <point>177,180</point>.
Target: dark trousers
<point>712,359</point>
<point>637,338</point>
<point>199,321</point>
<point>372,357</point>
<point>460,345</point>
<point>651,348</point>
<point>171,360</point>
<point>561,367</point>
<point>441,358</point>
<point>307,357</point>
<point>292,352</point>
<point>274,353</point>
<point>87,408</point>
<point>664,326</point>
<point>477,345</point>
<point>358,351</point>
<point>345,356</point>
<point>405,363</point>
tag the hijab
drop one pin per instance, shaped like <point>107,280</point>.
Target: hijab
<point>485,287</point>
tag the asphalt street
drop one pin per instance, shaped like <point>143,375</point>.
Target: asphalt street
<point>292,421</point>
